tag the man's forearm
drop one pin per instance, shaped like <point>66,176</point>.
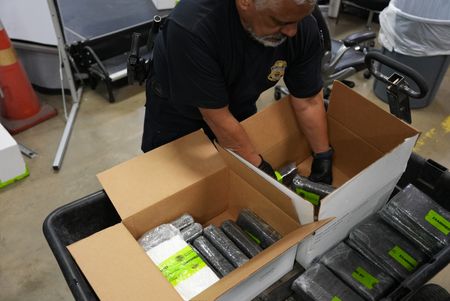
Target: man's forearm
<point>230,133</point>
<point>311,116</point>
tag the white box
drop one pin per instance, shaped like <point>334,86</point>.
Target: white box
<point>12,165</point>
<point>372,148</point>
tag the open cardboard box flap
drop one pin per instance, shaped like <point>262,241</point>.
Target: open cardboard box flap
<point>120,271</point>
<point>142,181</point>
<point>270,191</point>
<point>378,128</point>
<point>276,135</point>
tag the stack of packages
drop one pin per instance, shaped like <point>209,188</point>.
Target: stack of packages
<point>419,218</point>
<point>309,190</point>
<point>192,258</point>
<point>380,251</point>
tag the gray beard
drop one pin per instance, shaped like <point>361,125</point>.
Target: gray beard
<point>274,40</point>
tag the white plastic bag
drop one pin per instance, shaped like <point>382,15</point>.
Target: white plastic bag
<point>416,27</point>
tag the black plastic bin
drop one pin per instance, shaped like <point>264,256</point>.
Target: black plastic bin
<point>71,223</point>
<point>86,216</point>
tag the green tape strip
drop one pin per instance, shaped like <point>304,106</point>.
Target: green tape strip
<point>363,277</point>
<point>256,239</point>
<point>438,221</point>
<point>309,196</point>
<point>18,178</point>
<point>403,258</point>
<point>181,265</point>
<point>278,176</point>
<point>336,298</point>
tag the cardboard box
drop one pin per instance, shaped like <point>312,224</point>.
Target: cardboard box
<point>372,148</point>
<point>187,175</point>
<point>13,166</point>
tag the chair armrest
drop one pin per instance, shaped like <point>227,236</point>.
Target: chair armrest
<point>359,37</point>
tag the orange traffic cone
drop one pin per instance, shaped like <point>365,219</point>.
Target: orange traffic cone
<point>19,106</point>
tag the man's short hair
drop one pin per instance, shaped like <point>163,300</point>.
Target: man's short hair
<point>274,3</point>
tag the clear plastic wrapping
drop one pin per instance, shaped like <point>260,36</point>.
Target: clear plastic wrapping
<point>386,247</point>
<point>242,240</point>
<point>213,256</point>
<point>320,284</point>
<point>157,235</point>
<point>418,217</point>
<point>360,274</point>
<point>225,245</point>
<point>285,174</point>
<point>321,189</point>
<point>416,27</point>
<point>183,221</point>
<point>192,232</point>
<point>257,228</point>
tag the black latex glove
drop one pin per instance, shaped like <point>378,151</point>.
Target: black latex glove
<point>266,167</point>
<point>321,167</point>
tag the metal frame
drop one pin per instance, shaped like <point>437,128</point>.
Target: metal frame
<point>68,61</point>
<point>372,12</point>
<point>76,94</point>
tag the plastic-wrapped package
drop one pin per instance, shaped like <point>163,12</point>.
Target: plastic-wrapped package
<point>157,235</point>
<point>303,183</point>
<point>286,173</point>
<point>242,240</point>
<point>182,267</point>
<point>183,221</point>
<point>387,248</point>
<point>320,284</point>
<point>360,274</point>
<point>205,260</point>
<point>192,232</point>
<point>213,256</point>
<point>281,290</point>
<point>225,245</point>
<point>418,217</point>
<point>257,228</point>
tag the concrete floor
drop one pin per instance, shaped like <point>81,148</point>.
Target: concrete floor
<point>107,134</point>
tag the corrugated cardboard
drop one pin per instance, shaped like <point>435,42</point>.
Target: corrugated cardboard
<point>372,148</point>
<point>187,175</point>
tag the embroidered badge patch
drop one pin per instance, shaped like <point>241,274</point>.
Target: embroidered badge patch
<point>277,71</point>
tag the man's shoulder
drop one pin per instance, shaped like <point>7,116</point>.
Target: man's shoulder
<point>195,15</point>
<point>308,23</point>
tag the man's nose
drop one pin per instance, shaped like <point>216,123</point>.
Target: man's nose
<point>289,30</point>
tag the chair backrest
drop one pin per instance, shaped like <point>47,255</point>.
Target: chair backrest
<point>323,29</point>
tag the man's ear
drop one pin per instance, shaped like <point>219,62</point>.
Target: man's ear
<point>245,4</point>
